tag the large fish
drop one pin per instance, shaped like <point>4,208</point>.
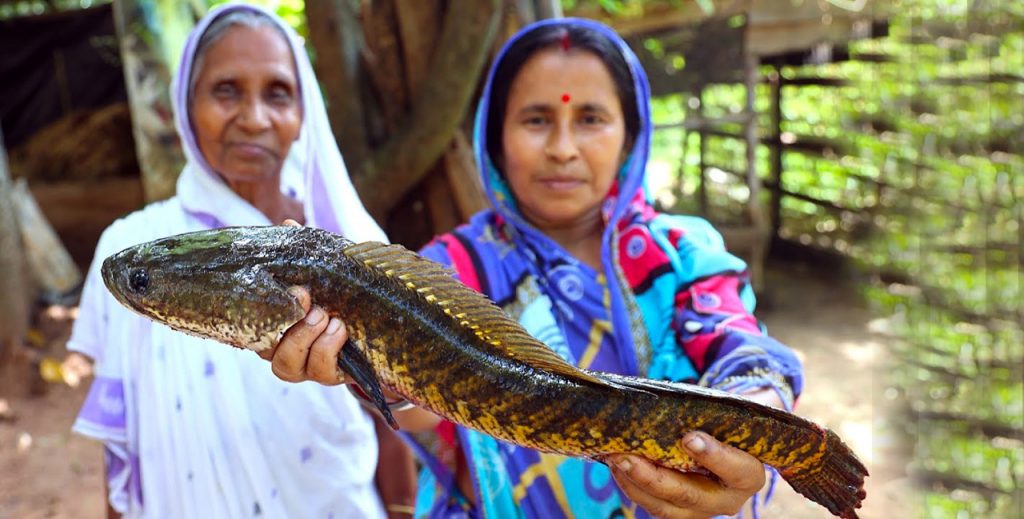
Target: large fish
<point>417,331</point>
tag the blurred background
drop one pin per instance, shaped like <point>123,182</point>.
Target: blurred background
<point>865,157</point>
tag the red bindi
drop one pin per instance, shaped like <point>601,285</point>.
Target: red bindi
<point>565,40</point>
<point>565,98</point>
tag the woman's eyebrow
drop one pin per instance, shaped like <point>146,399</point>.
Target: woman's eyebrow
<point>594,107</point>
<point>535,108</point>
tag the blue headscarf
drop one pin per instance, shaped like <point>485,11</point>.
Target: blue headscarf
<point>667,302</point>
<point>630,184</point>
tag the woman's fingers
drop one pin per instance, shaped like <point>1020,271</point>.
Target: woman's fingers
<point>306,301</point>
<point>292,352</point>
<point>323,355</point>
<point>670,494</point>
<point>309,349</point>
<point>662,492</point>
<point>736,469</point>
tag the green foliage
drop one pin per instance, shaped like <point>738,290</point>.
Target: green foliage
<point>913,167</point>
<point>37,7</point>
<point>293,12</point>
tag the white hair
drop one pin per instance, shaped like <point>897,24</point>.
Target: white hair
<point>216,30</point>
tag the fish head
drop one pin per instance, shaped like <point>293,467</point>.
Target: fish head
<point>213,284</point>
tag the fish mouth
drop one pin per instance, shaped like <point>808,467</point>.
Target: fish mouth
<point>109,272</point>
<point>116,271</point>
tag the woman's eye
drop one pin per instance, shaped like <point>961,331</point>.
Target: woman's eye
<point>591,119</point>
<point>280,95</point>
<point>535,121</point>
<point>224,90</point>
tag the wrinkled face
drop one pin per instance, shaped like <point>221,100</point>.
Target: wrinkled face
<point>563,137</point>
<point>246,109</point>
<point>210,283</point>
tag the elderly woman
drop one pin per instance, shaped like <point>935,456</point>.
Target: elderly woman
<point>191,428</point>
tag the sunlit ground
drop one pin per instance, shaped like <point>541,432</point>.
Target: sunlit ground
<point>844,363</point>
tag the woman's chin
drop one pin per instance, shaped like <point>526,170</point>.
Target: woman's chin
<point>251,173</point>
<point>550,220</point>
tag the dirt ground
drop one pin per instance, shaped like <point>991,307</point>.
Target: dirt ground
<point>48,472</point>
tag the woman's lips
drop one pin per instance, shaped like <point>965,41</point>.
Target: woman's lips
<point>561,183</point>
<point>250,151</point>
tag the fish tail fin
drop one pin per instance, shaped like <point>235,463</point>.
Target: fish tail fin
<point>837,482</point>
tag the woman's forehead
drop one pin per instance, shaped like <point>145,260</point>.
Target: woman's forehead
<point>242,47</point>
<point>552,74</point>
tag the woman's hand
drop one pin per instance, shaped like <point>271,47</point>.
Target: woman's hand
<point>669,494</point>
<point>309,349</point>
<point>75,367</point>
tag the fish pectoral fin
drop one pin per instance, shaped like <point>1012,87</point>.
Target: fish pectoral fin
<point>358,367</point>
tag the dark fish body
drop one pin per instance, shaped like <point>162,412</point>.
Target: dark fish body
<point>448,349</point>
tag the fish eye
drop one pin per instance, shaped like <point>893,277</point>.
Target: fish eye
<point>138,280</point>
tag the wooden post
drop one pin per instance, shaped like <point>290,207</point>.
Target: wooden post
<point>750,63</point>
<point>775,82</point>
<point>14,295</point>
<point>548,9</point>
<point>52,268</point>
<point>760,236</point>
<point>702,187</point>
<point>145,44</point>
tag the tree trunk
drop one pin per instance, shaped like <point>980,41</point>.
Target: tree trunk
<point>150,46</point>
<point>421,71</point>
<point>52,268</point>
<point>337,36</point>
<point>437,109</point>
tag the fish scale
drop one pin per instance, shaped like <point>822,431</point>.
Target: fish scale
<point>415,330</point>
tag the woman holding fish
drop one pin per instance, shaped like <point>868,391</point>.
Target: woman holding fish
<point>574,251</point>
<point>190,428</point>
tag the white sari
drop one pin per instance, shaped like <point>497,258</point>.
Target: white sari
<point>193,428</point>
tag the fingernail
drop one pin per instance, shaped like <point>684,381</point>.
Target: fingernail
<point>624,464</point>
<point>696,443</point>
<point>315,316</point>
<point>296,292</point>
<point>333,326</point>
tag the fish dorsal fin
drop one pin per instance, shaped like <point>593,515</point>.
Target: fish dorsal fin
<point>435,284</point>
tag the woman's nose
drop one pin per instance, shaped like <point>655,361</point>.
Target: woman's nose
<point>562,144</point>
<point>254,116</point>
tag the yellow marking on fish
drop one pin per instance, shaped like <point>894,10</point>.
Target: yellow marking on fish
<point>810,461</point>
<point>652,446</point>
<point>546,467</point>
<point>488,422</point>
<point>522,431</point>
